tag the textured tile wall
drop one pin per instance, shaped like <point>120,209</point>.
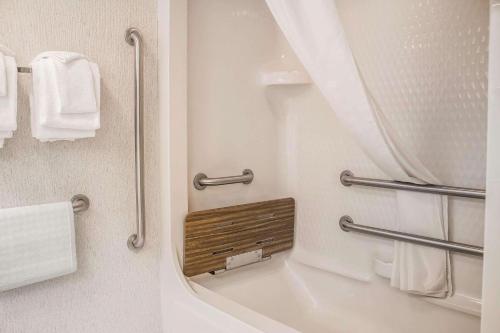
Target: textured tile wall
<point>114,289</point>
<point>426,64</point>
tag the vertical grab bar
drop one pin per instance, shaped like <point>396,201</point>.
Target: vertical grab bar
<point>136,241</point>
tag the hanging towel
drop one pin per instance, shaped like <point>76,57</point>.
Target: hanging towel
<point>4,52</point>
<point>315,33</point>
<point>412,263</point>
<point>8,102</point>
<point>37,243</point>
<point>8,94</point>
<point>44,100</point>
<point>3,76</point>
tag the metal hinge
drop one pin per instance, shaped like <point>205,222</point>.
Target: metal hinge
<point>243,259</point>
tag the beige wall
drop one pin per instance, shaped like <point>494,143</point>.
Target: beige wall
<point>114,289</point>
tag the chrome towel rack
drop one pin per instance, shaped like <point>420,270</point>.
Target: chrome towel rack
<point>136,241</point>
<point>24,70</point>
<point>347,178</point>
<point>80,203</point>
<point>201,181</point>
<point>347,224</point>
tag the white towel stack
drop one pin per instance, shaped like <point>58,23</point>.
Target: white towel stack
<point>65,101</point>
<point>36,243</point>
<point>8,94</point>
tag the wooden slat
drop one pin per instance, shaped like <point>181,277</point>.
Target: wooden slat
<point>210,236</point>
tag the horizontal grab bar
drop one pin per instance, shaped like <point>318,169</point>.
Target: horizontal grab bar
<point>347,178</point>
<point>347,224</point>
<point>201,181</point>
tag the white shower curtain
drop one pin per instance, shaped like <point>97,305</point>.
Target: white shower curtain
<point>315,33</point>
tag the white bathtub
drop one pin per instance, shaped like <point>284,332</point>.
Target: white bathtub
<point>286,296</point>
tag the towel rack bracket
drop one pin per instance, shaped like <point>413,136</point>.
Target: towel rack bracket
<point>24,70</point>
<point>248,172</point>
<point>80,203</point>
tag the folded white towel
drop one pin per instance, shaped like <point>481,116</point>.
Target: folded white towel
<point>44,100</point>
<point>4,52</point>
<point>3,76</point>
<point>8,103</point>
<point>78,82</point>
<point>37,243</point>
<point>56,118</point>
<point>62,56</point>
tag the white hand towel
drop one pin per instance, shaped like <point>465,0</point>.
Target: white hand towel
<point>8,103</point>
<point>55,118</point>
<point>3,76</point>
<point>420,269</point>
<point>37,243</point>
<point>4,52</point>
<point>45,99</point>
<point>77,82</point>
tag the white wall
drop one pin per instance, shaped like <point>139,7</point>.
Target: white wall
<point>114,289</point>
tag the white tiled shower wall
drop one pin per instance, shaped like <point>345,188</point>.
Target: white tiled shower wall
<point>424,61</point>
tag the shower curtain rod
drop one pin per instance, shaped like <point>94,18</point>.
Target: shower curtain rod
<point>347,178</point>
<point>347,224</point>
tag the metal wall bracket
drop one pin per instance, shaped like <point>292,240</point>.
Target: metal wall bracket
<point>244,259</point>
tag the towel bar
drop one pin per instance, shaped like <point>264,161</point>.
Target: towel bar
<point>347,224</point>
<point>347,178</point>
<point>80,203</point>
<point>201,181</point>
<point>24,69</point>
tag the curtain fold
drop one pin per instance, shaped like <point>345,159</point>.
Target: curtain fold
<point>314,31</point>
